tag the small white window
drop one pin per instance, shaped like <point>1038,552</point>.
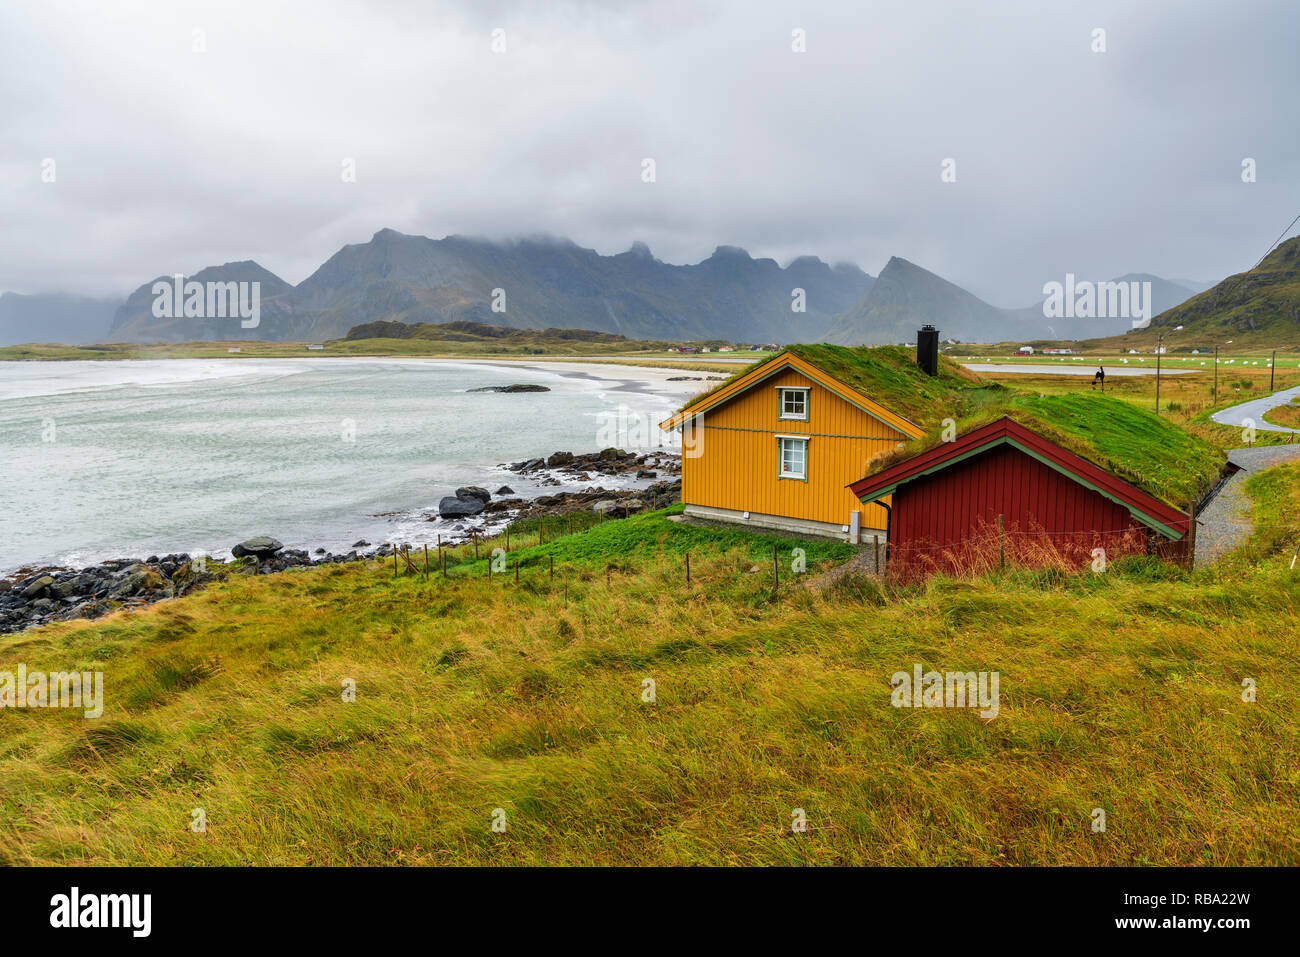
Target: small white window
<point>794,403</point>
<point>793,455</point>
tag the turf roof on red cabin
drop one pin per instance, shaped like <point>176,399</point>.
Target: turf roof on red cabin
<point>1147,509</point>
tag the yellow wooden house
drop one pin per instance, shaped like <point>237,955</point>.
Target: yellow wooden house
<point>777,446</point>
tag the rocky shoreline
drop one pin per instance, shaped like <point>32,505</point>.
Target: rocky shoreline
<point>566,468</point>
<point>39,595</point>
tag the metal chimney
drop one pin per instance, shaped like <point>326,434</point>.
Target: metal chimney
<point>927,349</point>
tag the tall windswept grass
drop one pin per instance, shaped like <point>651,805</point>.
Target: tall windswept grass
<point>639,719</point>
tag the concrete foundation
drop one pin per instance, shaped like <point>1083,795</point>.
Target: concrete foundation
<point>783,523</point>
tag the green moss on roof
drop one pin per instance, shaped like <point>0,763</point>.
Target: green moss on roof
<point>889,375</point>
<point>1144,449</point>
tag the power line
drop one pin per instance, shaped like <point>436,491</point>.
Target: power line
<point>1274,243</point>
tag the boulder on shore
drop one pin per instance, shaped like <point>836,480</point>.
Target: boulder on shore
<point>452,506</point>
<point>263,546</point>
<point>518,387</point>
<point>474,491</point>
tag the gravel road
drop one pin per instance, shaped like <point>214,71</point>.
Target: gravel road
<point>1225,523</point>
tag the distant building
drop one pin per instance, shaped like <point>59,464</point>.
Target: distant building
<point>1025,351</point>
<point>315,346</point>
<point>234,349</point>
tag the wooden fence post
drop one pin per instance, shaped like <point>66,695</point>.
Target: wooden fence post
<point>426,561</point>
<point>876,549</point>
<point>688,568</point>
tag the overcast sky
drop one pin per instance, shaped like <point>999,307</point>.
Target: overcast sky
<point>169,159</point>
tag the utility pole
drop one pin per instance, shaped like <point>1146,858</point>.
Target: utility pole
<point>1159,349</point>
<point>1272,368</point>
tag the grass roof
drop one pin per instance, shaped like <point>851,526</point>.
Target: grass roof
<point>889,375</point>
<point>1144,449</point>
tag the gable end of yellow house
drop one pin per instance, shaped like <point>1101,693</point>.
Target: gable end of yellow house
<point>777,448</point>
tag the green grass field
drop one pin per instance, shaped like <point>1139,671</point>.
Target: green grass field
<point>1120,691</point>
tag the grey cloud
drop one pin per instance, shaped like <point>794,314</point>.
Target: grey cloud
<point>1097,164</point>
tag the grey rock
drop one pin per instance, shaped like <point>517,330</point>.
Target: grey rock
<point>132,582</point>
<point>474,491</point>
<point>520,387</point>
<point>560,458</point>
<point>505,490</point>
<point>604,506</point>
<point>260,547</point>
<point>38,587</point>
<point>64,589</point>
<point>453,507</point>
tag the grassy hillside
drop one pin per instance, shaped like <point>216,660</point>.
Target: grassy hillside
<point>1258,309</point>
<point>1120,691</point>
<point>1286,415</point>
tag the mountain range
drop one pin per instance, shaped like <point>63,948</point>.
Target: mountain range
<point>533,283</point>
<point>546,282</point>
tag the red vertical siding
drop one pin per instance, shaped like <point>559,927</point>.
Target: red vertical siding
<point>940,520</point>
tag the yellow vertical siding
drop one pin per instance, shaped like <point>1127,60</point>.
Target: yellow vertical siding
<point>737,464</point>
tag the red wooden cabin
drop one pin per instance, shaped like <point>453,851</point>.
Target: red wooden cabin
<point>949,501</point>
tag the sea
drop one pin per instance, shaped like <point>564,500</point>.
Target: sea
<point>134,458</point>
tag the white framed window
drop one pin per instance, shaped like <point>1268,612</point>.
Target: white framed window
<point>792,404</point>
<point>792,457</point>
